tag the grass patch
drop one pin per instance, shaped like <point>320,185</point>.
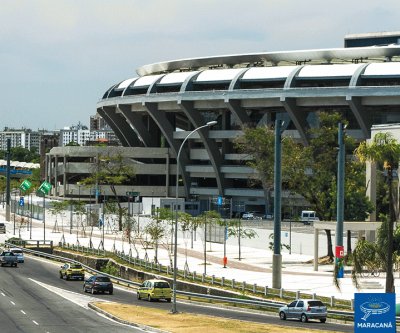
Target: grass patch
<point>190,323</point>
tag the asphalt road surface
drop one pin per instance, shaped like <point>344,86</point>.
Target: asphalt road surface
<point>34,299</point>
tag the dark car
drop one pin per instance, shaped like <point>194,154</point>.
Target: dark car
<point>8,258</point>
<point>98,283</point>
<point>304,309</point>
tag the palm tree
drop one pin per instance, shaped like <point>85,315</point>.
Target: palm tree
<point>384,149</point>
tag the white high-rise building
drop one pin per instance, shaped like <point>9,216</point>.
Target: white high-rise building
<point>24,138</point>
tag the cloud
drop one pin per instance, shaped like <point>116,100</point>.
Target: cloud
<point>58,57</point>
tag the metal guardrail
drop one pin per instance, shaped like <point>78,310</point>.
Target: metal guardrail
<point>251,302</point>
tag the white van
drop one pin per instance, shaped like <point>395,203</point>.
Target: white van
<point>308,216</point>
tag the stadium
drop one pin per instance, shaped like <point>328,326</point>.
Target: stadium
<point>155,111</point>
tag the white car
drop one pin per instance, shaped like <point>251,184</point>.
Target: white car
<point>304,309</point>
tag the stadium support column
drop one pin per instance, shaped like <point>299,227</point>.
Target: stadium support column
<point>277,256</point>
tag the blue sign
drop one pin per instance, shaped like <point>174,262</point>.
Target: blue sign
<point>374,312</point>
<point>219,201</point>
<point>21,201</point>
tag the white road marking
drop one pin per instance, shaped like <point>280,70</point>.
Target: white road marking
<point>12,302</point>
<point>3,294</point>
<point>35,323</point>
<point>77,298</point>
<point>23,312</point>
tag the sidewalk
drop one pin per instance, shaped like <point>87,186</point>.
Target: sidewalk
<point>255,266</point>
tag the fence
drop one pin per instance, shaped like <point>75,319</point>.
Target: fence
<point>238,286</point>
<point>348,315</point>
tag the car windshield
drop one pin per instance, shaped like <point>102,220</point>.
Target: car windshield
<point>103,279</point>
<point>76,266</point>
<point>17,251</point>
<point>161,285</point>
<point>315,303</point>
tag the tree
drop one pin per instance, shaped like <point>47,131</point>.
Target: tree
<point>236,229</point>
<point>112,169</point>
<point>22,154</point>
<point>156,228</point>
<point>58,208</point>
<point>206,219</point>
<point>310,171</point>
<point>384,149</point>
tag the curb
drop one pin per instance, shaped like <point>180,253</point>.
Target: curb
<point>125,322</point>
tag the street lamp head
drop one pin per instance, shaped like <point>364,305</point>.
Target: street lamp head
<point>211,123</point>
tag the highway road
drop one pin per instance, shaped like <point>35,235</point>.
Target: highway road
<point>34,299</point>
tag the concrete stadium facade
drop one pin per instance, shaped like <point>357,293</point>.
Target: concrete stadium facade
<point>159,107</point>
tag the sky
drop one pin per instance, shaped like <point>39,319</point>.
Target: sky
<point>58,57</point>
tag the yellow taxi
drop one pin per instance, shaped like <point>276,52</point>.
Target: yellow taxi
<point>72,271</point>
<point>155,290</point>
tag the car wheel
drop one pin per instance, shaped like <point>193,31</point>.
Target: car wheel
<point>282,315</point>
<point>149,298</point>
<point>138,296</point>
<point>16,265</point>
<point>168,300</point>
<point>323,320</point>
<point>2,265</point>
<point>61,276</point>
<point>303,318</point>
<point>67,277</point>
<point>84,289</point>
<point>92,291</point>
<point>111,292</point>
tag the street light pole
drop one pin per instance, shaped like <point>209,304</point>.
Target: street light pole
<point>340,197</point>
<point>277,256</point>
<point>8,183</point>
<point>210,123</point>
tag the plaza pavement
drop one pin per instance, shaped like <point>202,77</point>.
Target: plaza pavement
<point>255,266</point>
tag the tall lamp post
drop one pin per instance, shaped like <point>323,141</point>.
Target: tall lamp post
<point>210,123</point>
<point>277,257</point>
<point>340,201</point>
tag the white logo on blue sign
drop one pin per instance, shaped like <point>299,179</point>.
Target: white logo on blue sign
<point>374,312</point>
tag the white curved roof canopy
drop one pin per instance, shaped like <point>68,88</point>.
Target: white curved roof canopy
<point>174,78</point>
<point>146,81</point>
<point>328,70</point>
<point>218,75</point>
<point>259,73</point>
<point>381,69</point>
<point>126,83</point>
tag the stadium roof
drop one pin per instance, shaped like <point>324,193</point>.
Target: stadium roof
<point>318,56</point>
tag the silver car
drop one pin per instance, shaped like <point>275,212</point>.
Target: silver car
<point>19,253</point>
<point>304,309</point>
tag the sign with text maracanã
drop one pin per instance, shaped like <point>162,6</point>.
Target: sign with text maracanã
<point>374,312</point>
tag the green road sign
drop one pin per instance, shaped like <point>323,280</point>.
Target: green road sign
<point>25,185</point>
<point>132,194</point>
<point>45,187</point>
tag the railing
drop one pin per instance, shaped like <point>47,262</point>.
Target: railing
<point>250,302</point>
<point>239,286</point>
